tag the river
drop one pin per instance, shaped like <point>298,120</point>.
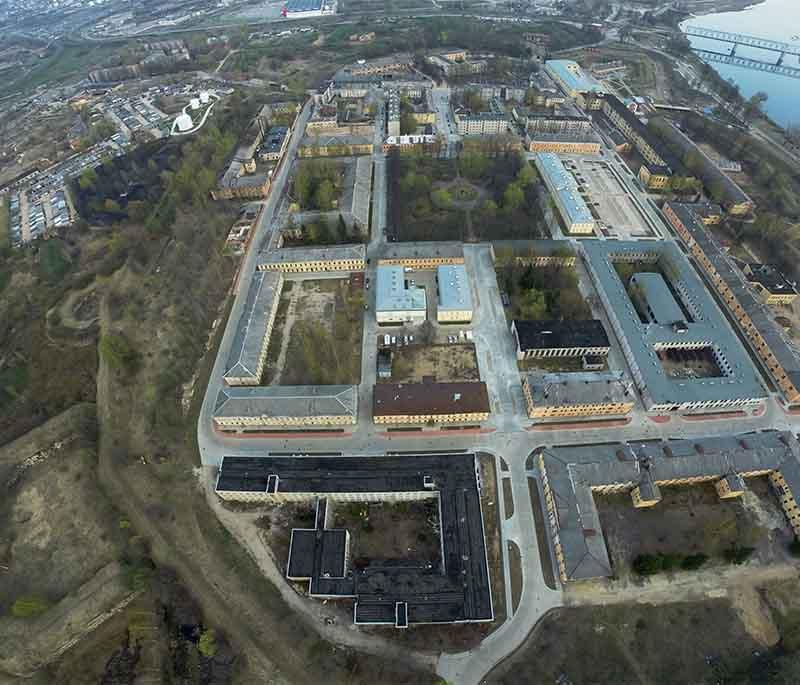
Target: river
<point>774,19</point>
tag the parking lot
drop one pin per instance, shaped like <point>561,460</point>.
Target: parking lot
<point>611,205</point>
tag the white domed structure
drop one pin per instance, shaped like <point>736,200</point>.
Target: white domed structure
<point>204,97</point>
<point>184,122</point>
<point>194,103</point>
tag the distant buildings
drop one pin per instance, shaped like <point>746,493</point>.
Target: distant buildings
<point>564,190</point>
<point>301,9</point>
<point>430,403</point>
<point>576,83</point>
<point>660,163</point>
<point>456,62</point>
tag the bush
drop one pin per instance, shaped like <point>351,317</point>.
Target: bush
<point>118,352</point>
<point>647,564</point>
<point>738,555</point>
<point>693,562</point>
<point>29,606</point>
<point>794,548</point>
<point>207,646</point>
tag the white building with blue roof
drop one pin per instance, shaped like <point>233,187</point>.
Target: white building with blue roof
<point>455,299</point>
<point>396,300</point>
<point>564,189</point>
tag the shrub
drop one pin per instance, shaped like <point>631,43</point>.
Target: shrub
<point>738,555</point>
<point>29,606</point>
<point>647,564</point>
<point>207,646</point>
<point>693,562</point>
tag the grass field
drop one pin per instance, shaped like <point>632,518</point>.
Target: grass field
<point>53,263</point>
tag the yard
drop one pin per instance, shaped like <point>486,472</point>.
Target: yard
<point>446,363</point>
<point>382,531</point>
<point>476,197</point>
<point>318,184</point>
<point>316,338</point>
<point>693,520</point>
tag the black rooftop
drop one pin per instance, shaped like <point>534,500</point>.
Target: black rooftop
<point>551,334</point>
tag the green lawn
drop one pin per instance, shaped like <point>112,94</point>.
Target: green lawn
<point>53,263</point>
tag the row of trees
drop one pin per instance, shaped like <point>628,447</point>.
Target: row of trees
<point>660,562</point>
<point>327,232</point>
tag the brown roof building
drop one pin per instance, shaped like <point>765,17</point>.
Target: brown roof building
<point>420,403</point>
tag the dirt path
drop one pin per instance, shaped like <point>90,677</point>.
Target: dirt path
<point>682,587</point>
<point>291,317</point>
<point>241,527</point>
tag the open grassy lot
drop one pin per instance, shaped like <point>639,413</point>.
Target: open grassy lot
<point>446,363</point>
<point>319,340</point>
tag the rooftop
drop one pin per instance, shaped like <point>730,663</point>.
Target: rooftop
<point>422,250</point>
<point>287,401</point>
<point>573,471</point>
<point>458,590</point>
<point>303,5</point>
<point>412,399</point>
<point>544,335</point>
<point>251,332</point>
<point>573,75</point>
<point>566,389</point>
<point>769,278</point>
<point>655,293</point>
<point>454,292</point>
<point>394,294</point>
<point>565,185</point>
<point>291,255</point>
<point>707,326</point>
<point>274,138</point>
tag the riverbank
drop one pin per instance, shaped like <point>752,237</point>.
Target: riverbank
<point>698,9</point>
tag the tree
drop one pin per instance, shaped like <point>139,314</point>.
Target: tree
<point>408,123</point>
<point>207,645</point>
<point>571,305</point>
<point>532,305</point>
<point>341,229</point>
<point>442,198</point>
<point>513,197</point>
<point>527,175</point>
<point>647,564</point>
<point>324,196</point>
<point>118,352</point>
<point>473,164</point>
<point>693,562</point>
<point>87,179</point>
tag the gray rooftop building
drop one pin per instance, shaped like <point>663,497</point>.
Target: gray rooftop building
<point>702,326</point>
<point>455,299</point>
<point>245,364</point>
<point>289,406</point>
<point>302,259</point>
<point>572,476</point>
